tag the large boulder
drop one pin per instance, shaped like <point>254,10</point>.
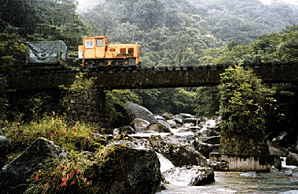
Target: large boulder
<point>14,174</point>
<point>189,175</point>
<point>179,151</point>
<point>127,167</point>
<point>139,125</point>
<point>136,111</point>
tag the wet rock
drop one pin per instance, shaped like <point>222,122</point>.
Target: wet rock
<point>139,124</point>
<point>179,151</point>
<point>160,128</point>
<point>127,129</point>
<point>27,163</point>
<point>186,115</point>
<point>195,128</point>
<point>189,175</point>
<point>178,119</point>
<point>187,125</point>
<point>191,120</point>
<point>131,167</point>
<point>136,111</point>
<point>219,165</point>
<point>204,148</point>
<point>166,127</point>
<point>4,146</point>
<point>158,117</point>
<point>250,174</point>
<point>5,149</point>
<point>281,151</point>
<point>292,159</point>
<point>166,116</point>
<point>206,132</point>
<point>172,123</point>
<point>211,140</point>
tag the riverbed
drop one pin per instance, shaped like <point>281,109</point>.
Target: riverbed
<point>235,182</point>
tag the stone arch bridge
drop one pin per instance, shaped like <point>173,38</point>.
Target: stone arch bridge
<point>92,110</point>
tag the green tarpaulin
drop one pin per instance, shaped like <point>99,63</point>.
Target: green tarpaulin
<point>46,52</point>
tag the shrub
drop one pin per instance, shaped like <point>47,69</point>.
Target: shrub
<point>67,176</point>
<point>77,137</point>
<point>243,97</point>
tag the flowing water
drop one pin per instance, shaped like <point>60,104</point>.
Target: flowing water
<point>285,182</point>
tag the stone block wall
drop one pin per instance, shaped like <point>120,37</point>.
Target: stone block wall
<point>237,162</point>
<point>88,108</point>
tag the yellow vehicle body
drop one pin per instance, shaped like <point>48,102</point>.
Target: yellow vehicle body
<point>96,52</point>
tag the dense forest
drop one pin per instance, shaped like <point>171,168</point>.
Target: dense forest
<point>170,32</point>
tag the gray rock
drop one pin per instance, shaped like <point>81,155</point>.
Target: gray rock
<point>179,151</point>
<point>127,129</point>
<point>204,148</point>
<point>139,125</point>
<point>172,123</point>
<point>207,132</point>
<point>292,159</point>
<point>160,127</point>
<point>211,139</point>
<point>4,146</point>
<point>158,117</point>
<point>166,116</point>
<point>178,119</point>
<point>189,175</point>
<point>219,165</point>
<point>250,174</point>
<point>136,111</point>
<point>283,152</point>
<point>23,166</point>
<point>5,149</point>
<point>186,115</point>
<point>187,125</point>
<point>193,120</point>
<point>195,128</point>
<point>133,167</point>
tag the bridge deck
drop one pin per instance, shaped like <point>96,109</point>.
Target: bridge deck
<point>151,78</point>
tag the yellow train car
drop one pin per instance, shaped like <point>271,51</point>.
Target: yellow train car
<point>97,52</point>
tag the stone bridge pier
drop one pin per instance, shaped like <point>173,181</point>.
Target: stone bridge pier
<point>89,107</point>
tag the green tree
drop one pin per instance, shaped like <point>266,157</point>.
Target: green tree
<point>242,101</point>
<point>207,101</point>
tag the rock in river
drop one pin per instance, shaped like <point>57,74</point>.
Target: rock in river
<point>189,175</point>
<point>128,167</point>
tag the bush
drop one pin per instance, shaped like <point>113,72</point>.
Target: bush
<point>77,137</point>
<point>243,97</point>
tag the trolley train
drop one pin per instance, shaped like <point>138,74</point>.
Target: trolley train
<point>96,52</point>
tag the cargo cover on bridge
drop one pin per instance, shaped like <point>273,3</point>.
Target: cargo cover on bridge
<point>46,52</point>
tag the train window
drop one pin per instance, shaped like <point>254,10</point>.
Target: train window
<point>122,50</point>
<point>112,50</point>
<point>130,51</point>
<point>99,42</point>
<point>89,43</point>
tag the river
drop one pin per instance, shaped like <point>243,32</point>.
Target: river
<point>285,181</point>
